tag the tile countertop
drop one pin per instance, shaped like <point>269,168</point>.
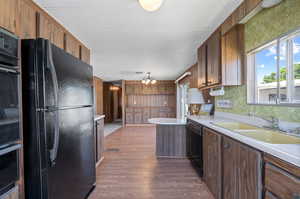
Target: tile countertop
<point>287,152</point>
<point>99,117</point>
<point>167,121</point>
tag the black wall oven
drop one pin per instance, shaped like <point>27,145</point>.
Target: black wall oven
<point>195,145</point>
<point>9,89</point>
<point>9,167</point>
<point>9,111</point>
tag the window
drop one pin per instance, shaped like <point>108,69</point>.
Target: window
<point>274,72</point>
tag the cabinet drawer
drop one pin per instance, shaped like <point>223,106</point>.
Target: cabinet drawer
<point>281,183</point>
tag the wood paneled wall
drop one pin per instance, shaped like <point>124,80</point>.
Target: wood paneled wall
<point>148,101</point>
<point>107,102</point>
<point>98,95</point>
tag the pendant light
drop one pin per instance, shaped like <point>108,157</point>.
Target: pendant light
<point>151,5</point>
<point>148,79</point>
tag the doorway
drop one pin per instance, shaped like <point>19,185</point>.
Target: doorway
<point>112,106</point>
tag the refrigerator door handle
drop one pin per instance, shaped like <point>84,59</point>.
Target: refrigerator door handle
<point>51,68</point>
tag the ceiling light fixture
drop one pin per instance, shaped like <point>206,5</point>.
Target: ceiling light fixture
<point>151,5</point>
<point>148,79</point>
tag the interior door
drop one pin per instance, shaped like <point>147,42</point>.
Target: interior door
<point>73,174</point>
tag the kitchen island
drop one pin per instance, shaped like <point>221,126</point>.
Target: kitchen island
<point>171,137</point>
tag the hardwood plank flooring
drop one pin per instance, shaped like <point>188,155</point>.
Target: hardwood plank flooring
<point>130,170</point>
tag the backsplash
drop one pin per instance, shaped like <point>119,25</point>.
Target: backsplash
<point>265,26</point>
<point>237,95</point>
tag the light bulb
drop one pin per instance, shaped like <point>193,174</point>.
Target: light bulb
<point>153,81</point>
<point>151,5</point>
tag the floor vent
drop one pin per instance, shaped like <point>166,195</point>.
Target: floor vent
<point>112,150</point>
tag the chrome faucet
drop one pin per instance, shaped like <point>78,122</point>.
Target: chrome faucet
<point>273,121</point>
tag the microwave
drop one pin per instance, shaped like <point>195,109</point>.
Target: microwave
<point>9,167</point>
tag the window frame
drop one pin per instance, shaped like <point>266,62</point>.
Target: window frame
<point>252,96</point>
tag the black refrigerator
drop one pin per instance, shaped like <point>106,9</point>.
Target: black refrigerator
<point>59,155</point>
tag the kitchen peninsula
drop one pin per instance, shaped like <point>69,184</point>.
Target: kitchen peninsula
<point>170,137</point>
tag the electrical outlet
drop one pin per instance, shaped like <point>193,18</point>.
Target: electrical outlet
<point>224,104</point>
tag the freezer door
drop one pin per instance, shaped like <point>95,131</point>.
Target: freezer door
<point>73,77</point>
<point>73,174</point>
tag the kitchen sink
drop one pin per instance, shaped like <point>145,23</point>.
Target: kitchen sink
<point>260,134</point>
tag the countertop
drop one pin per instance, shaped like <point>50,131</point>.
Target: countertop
<point>167,121</point>
<point>99,117</point>
<point>287,152</point>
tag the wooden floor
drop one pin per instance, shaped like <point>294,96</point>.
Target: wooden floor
<point>131,171</point>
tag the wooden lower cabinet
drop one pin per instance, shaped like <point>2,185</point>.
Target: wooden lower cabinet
<point>249,173</point>
<point>99,138</point>
<point>230,167</point>
<point>281,183</point>
<point>212,161</point>
<point>231,170</point>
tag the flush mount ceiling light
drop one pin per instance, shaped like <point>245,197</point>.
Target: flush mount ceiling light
<point>151,5</point>
<point>147,80</point>
<point>269,3</point>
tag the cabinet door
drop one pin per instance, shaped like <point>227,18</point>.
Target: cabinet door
<point>9,14</point>
<point>230,168</point>
<point>100,139</point>
<point>214,59</point>
<point>232,60</point>
<point>250,173</point>
<point>85,54</point>
<point>28,15</point>
<point>251,5</point>
<point>202,66</point>
<point>48,29</point>
<point>72,45</point>
<point>212,161</point>
<point>45,27</point>
<point>58,35</point>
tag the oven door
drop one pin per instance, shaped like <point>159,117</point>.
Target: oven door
<point>9,167</point>
<point>9,107</point>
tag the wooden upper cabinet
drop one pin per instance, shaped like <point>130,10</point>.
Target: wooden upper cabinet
<point>50,30</point>
<point>251,5</point>
<point>193,78</point>
<point>9,14</point>
<point>202,66</point>
<point>58,36</point>
<point>72,46</point>
<point>28,19</point>
<point>232,56</point>
<point>212,162</point>
<point>214,59</point>
<point>85,54</point>
<point>234,18</point>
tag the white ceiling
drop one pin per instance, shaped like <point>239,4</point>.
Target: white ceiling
<point>124,38</point>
